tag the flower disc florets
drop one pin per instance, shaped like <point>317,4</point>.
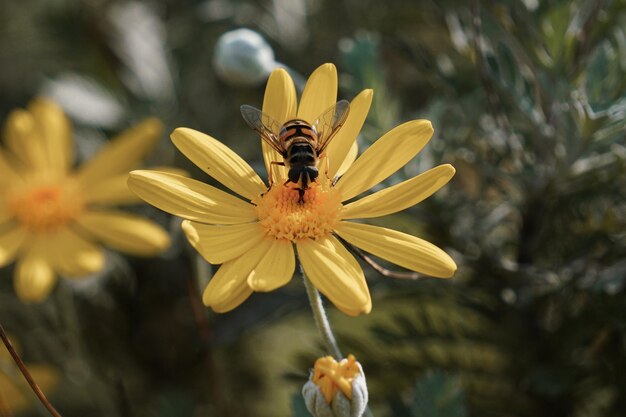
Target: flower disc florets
<point>45,207</point>
<point>283,216</point>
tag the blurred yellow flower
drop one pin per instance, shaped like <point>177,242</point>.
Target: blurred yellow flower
<point>15,393</point>
<point>52,217</point>
<point>253,236</point>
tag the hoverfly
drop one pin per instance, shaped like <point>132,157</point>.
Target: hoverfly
<point>301,144</point>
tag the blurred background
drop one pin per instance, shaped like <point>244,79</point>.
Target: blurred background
<point>528,101</point>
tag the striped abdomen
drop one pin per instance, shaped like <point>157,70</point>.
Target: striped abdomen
<point>300,139</point>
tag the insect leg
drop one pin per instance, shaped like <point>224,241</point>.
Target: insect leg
<point>327,167</point>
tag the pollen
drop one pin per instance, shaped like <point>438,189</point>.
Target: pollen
<point>44,208</point>
<point>283,216</point>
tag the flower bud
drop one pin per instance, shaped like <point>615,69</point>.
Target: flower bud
<point>336,389</point>
<point>243,57</point>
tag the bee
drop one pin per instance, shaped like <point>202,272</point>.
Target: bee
<point>301,144</point>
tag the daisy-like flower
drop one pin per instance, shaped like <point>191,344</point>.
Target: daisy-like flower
<point>253,234</point>
<point>52,216</point>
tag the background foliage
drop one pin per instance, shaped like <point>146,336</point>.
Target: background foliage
<point>528,100</point>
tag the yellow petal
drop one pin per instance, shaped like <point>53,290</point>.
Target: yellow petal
<point>238,296</point>
<point>399,196</point>
<point>8,171</point>
<point>280,103</point>
<point>219,244</point>
<point>229,279</point>
<point>5,215</point>
<point>190,199</point>
<point>10,242</point>
<point>122,153</point>
<point>125,232</point>
<point>384,157</point>
<point>34,278</point>
<point>55,134</point>
<point>348,160</point>
<point>71,255</point>
<point>219,161</point>
<point>114,190</point>
<point>335,272</point>
<point>24,140</point>
<point>399,248</point>
<point>342,150</point>
<point>275,269</point>
<point>320,92</point>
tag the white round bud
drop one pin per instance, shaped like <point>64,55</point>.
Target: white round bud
<point>243,58</point>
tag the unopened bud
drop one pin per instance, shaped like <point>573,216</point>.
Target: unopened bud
<point>336,389</point>
<point>243,57</point>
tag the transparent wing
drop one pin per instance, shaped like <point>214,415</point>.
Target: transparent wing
<point>329,123</point>
<point>264,125</point>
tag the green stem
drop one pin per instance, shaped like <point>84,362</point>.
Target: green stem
<point>319,314</point>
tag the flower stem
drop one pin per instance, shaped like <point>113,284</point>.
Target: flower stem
<point>319,314</point>
<point>27,376</point>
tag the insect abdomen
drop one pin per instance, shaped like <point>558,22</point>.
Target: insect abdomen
<point>303,175</point>
<point>301,154</point>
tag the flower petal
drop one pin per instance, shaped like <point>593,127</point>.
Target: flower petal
<point>237,296</point>
<point>8,172</point>
<point>226,285</point>
<point>348,160</point>
<point>280,103</point>
<point>122,153</point>
<point>219,161</point>
<point>56,134</point>
<point>219,244</point>
<point>10,242</point>
<point>34,278</point>
<point>343,145</point>
<point>335,272</point>
<point>72,255</point>
<point>320,92</point>
<point>384,157</point>
<point>114,190</point>
<point>25,141</point>
<point>190,199</point>
<point>275,269</point>
<point>400,196</point>
<point>125,232</point>
<point>400,248</point>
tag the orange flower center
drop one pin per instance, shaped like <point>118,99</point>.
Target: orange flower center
<point>44,208</point>
<point>330,376</point>
<point>283,216</point>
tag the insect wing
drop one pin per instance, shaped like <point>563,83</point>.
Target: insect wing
<point>264,125</point>
<point>329,123</point>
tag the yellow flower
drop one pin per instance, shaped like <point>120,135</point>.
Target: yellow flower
<point>253,234</point>
<point>51,217</point>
